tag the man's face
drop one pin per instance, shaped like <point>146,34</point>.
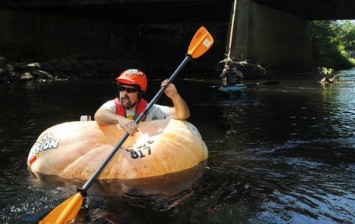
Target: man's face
<point>128,95</point>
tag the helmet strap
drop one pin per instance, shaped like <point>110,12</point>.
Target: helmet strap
<point>133,104</point>
<point>140,94</point>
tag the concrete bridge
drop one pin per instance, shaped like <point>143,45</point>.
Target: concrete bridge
<point>274,33</point>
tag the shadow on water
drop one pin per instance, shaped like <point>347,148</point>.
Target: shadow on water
<point>185,197</point>
<point>156,194</point>
<point>277,154</point>
<point>212,194</point>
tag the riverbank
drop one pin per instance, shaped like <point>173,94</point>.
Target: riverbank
<point>78,67</point>
<point>58,68</point>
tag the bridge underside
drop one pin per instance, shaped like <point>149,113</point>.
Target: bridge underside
<point>180,11</point>
<point>314,9</point>
<point>140,11</point>
<point>273,32</point>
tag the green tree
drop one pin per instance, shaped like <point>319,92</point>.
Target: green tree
<point>329,39</point>
<point>347,34</point>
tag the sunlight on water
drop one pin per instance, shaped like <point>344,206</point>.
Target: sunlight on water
<point>277,154</point>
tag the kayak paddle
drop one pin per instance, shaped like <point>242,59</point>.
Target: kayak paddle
<point>68,210</point>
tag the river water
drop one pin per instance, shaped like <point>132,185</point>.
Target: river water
<point>282,153</point>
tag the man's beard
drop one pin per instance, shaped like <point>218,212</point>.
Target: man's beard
<point>125,101</point>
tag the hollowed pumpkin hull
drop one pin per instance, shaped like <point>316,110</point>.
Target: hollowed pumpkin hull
<point>74,150</point>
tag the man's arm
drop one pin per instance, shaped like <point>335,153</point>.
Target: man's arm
<point>223,74</point>
<point>180,110</point>
<point>104,116</point>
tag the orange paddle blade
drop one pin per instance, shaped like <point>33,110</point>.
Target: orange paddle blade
<point>200,43</point>
<point>66,211</point>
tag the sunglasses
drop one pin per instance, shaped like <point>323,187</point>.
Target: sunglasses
<point>127,89</point>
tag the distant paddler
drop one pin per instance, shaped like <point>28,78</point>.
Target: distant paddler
<point>327,74</point>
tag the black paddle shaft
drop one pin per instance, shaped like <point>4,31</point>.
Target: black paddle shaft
<point>91,180</point>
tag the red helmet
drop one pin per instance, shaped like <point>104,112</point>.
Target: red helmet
<point>133,77</point>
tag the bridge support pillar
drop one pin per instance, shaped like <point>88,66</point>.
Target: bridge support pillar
<point>272,38</point>
<point>238,33</point>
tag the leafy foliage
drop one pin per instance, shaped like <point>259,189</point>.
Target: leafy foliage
<point>330,40</point>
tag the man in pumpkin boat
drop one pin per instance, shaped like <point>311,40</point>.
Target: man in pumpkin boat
<point>129,103</point>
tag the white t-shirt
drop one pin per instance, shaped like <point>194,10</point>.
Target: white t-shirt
<point>156,112</point>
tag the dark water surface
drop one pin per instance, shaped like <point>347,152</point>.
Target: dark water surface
<point>277,154</point>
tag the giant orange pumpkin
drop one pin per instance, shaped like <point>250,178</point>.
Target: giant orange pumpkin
<point>76,149</point>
